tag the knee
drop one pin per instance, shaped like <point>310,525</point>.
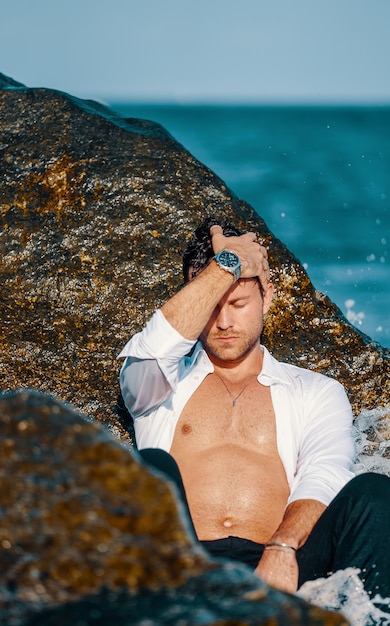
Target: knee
<point>371,487</point>
<point>162,461</point>
<point>151,455</point>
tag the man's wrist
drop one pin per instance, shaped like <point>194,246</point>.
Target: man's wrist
<point>229,262</point>
<point>221,273</point>
<point>280,546</point>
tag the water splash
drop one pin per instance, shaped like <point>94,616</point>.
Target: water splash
<point>352,316</point>
<point>372,441</point>
<point>344,592</point>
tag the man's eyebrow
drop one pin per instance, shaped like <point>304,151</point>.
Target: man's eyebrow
<point>238,298</point>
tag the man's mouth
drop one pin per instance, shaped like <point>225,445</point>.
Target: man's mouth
<point>225,338</point>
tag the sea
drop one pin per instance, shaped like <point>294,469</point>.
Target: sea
<point>319,176</point>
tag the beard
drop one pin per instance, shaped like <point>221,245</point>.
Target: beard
<point>230,352</point>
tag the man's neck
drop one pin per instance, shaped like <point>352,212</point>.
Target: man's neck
<point>239,369</point>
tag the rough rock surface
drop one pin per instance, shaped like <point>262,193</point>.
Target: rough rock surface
<point>94,213</point>
<point>89,536</point>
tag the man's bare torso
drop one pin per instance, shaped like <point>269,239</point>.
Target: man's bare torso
<point>233,476</point>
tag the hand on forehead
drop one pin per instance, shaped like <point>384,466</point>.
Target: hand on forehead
<point>253,256</point>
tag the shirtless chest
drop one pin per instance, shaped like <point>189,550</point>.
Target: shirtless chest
<point>211,416</point>
<point>227,453</point>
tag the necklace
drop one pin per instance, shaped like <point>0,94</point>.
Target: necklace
<point>234,399</point>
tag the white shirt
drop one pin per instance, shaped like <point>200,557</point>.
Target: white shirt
<point>312,412</point>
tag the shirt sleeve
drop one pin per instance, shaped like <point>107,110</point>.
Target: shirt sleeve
<point>152,363</point>
<point>326,450</point>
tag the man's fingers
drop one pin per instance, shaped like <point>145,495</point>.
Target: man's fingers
<point>217,238</point>
<point>253,255</point>
<point>251,237</point>
<point>264,275</point>
<point>215,230</point>
<point>264,251</point>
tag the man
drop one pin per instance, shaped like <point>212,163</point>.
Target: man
<point>263,447</point>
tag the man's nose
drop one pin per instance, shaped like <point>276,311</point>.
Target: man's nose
<point>224,318</point>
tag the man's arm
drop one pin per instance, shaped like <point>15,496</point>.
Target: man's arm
<point>189,310</point>
<point>278,566</point>
<point>150,372</point>
<point>323,468</point>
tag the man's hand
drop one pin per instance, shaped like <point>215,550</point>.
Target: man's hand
<point>191,308</point>
<point>279,568</point>
<point>253,256</point>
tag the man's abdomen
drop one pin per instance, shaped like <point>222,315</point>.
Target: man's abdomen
<point>234,490</point>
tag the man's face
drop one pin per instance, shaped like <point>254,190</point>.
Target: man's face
<point>235,326</point>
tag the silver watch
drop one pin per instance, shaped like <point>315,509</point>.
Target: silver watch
<point>230,262</point>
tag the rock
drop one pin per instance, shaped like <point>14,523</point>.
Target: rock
<point>95,211</point>
<point>89,536</point>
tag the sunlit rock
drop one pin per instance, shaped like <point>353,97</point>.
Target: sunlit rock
<point>95,210</point>
<point>89,536</point>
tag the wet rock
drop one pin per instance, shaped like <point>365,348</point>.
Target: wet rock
<point>90,537</point>
<point>95,211</point>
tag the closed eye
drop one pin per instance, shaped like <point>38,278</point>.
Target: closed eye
<point>239,304</point>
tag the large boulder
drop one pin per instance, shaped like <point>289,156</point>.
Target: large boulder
<point>90,537</point>
<point>95,211</point>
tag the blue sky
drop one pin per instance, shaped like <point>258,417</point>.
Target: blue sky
<point>201,50</point>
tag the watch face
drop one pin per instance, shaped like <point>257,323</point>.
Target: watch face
<point>228,259</point>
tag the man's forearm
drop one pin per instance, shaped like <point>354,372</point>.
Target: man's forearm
<point>298,521</point>
<point>278,565</point>
<point>189,310</point>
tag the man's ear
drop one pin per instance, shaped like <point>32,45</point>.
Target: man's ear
<point>267,297</point>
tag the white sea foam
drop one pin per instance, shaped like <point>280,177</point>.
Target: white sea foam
<point>372,441</point>
<point>344,592</point>
<point>355,317</point>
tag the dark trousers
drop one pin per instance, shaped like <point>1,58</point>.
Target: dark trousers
<point>353,531</point>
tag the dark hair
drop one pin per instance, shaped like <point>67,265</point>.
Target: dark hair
<point>199,250</point>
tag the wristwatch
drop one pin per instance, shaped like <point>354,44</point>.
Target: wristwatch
<point>229,262</point>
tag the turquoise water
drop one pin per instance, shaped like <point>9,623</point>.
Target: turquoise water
<point>318,176</point>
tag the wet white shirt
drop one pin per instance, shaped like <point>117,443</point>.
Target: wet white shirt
<point>312,412</point>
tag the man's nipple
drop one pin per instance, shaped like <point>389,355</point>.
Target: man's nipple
<point>186,429</point>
